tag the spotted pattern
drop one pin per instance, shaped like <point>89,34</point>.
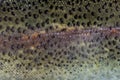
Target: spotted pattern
<point>33,14</point>
<point>59,39</point>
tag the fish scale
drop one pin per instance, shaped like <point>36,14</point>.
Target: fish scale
<point>59,40</point>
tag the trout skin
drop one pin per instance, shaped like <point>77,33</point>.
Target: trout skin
<point>59,40</point>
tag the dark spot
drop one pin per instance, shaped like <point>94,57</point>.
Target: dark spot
<point>13,13</point>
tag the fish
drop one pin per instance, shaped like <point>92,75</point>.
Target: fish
<point>59,40</point>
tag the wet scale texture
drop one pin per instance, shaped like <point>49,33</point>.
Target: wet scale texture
<point>71,51</point>
<point>59,40</point>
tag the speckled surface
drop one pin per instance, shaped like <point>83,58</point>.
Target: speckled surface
<point>59,40</point>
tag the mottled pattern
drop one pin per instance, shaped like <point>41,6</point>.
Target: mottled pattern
<point>59,40</point>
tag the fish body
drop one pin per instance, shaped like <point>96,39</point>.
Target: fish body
<point>59,40</point>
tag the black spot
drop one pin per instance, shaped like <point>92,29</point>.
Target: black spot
<point>13,13</point>
<point>65,16</point>
<point>17,20</point>
<point>46,12</point>
<point>4,9</point>
<point>0,19</point>
<point>5,18</point>
<point>1,26</point>
<point>92,13</point>
<point>51,7</point>
<point>30,14</point>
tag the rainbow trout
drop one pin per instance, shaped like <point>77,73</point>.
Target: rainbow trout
<point>59,40</point>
